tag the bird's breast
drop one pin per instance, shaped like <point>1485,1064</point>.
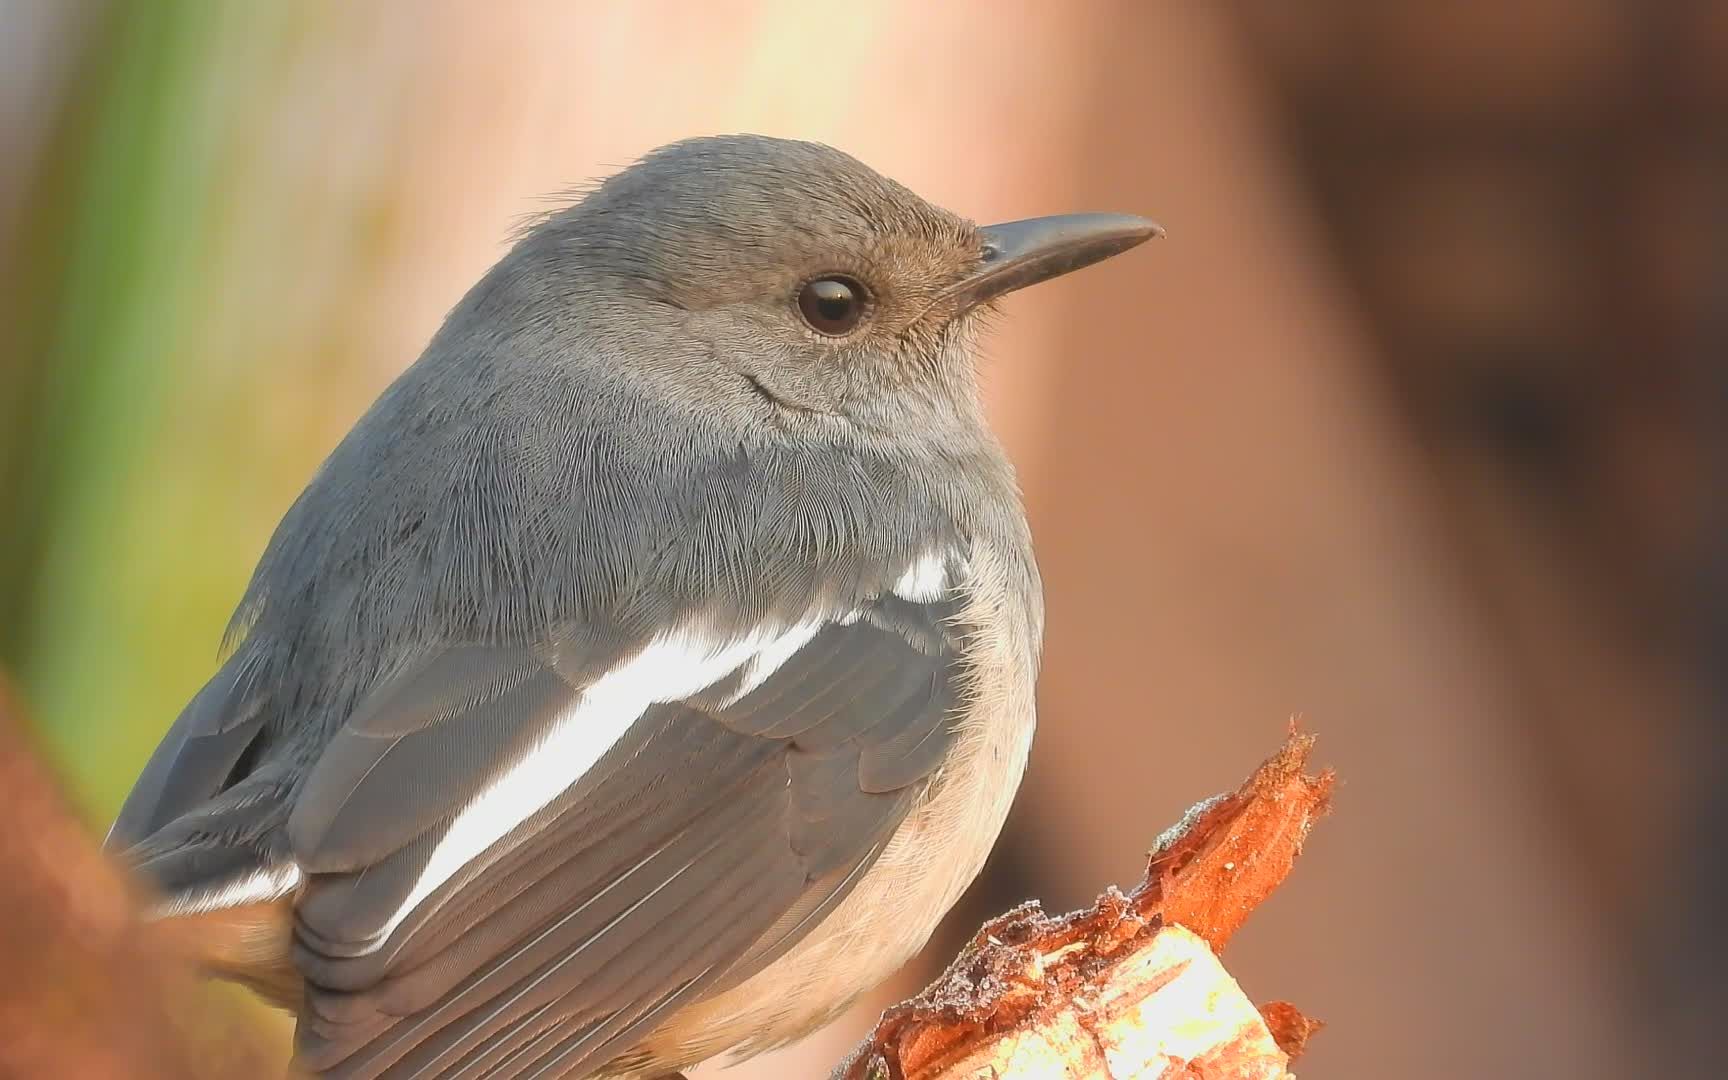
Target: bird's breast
<point>935,853</point>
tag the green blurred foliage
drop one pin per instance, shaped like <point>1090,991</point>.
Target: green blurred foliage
<point>143,466</point>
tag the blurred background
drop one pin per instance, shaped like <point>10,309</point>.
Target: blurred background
<point>1415,425</point>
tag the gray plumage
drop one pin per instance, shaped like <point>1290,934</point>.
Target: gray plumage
<point>626,435</point>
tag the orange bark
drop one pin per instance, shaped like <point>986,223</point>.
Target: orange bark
<point>1017,982</point>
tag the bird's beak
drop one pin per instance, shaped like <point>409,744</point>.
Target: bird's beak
<point>1022,253</point>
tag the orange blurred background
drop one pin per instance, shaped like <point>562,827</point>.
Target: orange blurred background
<point>1413,425</point>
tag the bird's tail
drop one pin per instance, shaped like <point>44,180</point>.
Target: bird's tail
<point>223,892</point>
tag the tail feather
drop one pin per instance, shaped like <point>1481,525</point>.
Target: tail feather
<point>224,886</point>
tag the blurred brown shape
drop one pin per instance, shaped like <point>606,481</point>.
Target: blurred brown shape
<point>1084,985</point>
<point>1526,197</point>
<point>88,991</point>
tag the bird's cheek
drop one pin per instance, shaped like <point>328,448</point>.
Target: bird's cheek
<point>796,384</point>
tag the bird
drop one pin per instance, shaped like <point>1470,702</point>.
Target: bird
<point>652,665</point>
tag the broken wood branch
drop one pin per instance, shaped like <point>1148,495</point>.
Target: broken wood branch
<point>1130,987</point>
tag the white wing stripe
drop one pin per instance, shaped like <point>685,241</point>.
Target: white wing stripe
<point>261,885</point>
<point>925,580</point>
<point>672,667</point>
<point>773,655</point>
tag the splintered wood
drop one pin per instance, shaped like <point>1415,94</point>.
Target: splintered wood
<point>1132,986</point>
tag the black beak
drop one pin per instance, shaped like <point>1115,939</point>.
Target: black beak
<point>1022,253</point>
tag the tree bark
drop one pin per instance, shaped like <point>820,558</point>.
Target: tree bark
<point>1130,987</point>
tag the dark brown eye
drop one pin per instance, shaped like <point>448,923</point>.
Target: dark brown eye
<point>832,305</point>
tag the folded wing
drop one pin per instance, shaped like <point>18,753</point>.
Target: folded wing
<point>512,871</point>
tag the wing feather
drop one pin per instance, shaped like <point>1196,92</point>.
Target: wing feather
<point>712,833</point>
<point>195,760</point>
<point>391,777</point>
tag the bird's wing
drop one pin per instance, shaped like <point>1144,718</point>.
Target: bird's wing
<point>195,759</point>
<point>194,824</point>
<point>512,871</point>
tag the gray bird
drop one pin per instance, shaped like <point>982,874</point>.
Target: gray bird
<point>652,666</point>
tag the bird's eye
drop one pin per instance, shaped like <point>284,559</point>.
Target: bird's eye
<point>832,305</point>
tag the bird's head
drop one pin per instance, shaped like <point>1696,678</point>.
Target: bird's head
<point>786,277</point>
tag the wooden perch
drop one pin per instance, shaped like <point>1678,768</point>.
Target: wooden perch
<point>1130,987</point>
